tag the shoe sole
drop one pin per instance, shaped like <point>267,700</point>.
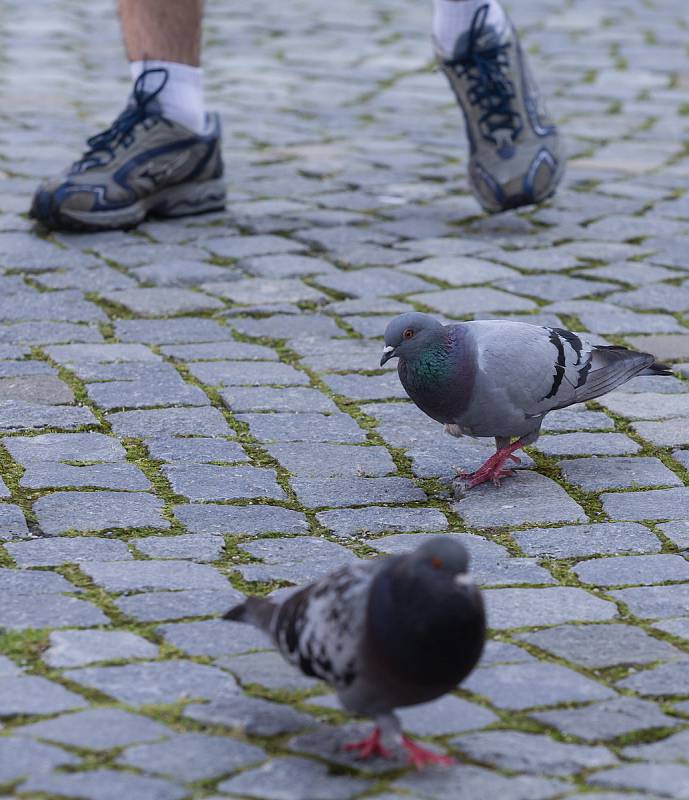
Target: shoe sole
<point>175,201</point>
<point>523,199</point>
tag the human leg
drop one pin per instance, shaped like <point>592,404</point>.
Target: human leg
<point>164,30</point>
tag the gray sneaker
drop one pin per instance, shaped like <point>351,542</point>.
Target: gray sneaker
<point>142,164</point>
<point>516,154</point>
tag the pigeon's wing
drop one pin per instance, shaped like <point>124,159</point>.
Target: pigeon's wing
<point>538,369</point>
<point>610,367</point>
<point>319,629</point>
<point>528,367</point>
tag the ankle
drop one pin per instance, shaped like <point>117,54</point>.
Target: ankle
<point>181,98</point>
<point>452,18</point>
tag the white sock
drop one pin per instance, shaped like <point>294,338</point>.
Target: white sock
<point>182,96</point>
<point>452,18</point>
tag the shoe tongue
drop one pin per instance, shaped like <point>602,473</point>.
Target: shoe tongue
<point>152,105</point>
<point>488,37</point>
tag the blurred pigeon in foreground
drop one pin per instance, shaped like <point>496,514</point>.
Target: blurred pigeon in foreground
<point>391,632</point>
<point>500,378</point>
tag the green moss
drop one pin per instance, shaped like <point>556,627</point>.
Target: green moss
<point>258,588</point>
<point>6,559</point>
<point>646,736</point>
<point>12,473</point>
<point>88,590</point>
<point>24,646</point>
<point>137,454</point>
<point>113,310</point>
<point>7,789</point>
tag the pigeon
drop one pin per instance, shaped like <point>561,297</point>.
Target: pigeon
<point>500,378</point>
<point>384,633</point>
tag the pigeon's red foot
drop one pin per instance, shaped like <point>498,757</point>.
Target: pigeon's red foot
<point>419,756</point>
<point>370,747</point>
<point>494,469</point>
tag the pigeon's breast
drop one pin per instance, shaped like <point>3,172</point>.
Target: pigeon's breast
<point>440,380</point>
<point>421,640</point>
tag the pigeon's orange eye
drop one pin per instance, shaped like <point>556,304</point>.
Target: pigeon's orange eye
<point>408,333</point>
<point>437,563</point>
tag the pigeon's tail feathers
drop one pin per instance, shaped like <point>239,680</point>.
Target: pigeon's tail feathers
<point>257,611</point>
<point>657,368</point>
<point>611,366</point>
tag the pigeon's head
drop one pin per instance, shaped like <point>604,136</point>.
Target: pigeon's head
<point>443,555</point>
<point>407,333</point>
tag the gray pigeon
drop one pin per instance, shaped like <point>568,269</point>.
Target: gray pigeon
<point>391,632</point>
<point>500,378</point>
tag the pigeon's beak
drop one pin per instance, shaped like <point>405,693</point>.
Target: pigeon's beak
<point>388,353</point>
<point>464,579</point>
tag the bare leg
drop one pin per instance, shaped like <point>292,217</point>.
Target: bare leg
<point>163,30</point>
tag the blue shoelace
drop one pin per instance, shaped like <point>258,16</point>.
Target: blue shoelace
<point>138,110</point>
<point>489,87</point>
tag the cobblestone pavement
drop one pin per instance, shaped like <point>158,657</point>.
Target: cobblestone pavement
<point>194,410</point>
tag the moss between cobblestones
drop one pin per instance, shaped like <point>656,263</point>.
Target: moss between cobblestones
<point>5,559</point>
<point>233,555</point>
<point>364,550</point>
<point>78,387</point>
<point>12,473</point>
<point>342,323</point>
<point>289,697</point>
<point>88,590</point>
<point>137,454</point>
<point>95,759</point>
<point>572,321</point>
<point>30,280</point>
<point>503,537</point>
<point>667,546</point>
<point>91,428</point>
<point>646,736</point>
<point>258,588</point>
<point>115,311</point>
<point>333,295</point>
<point>439,489</point>
<point>24,646</point>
